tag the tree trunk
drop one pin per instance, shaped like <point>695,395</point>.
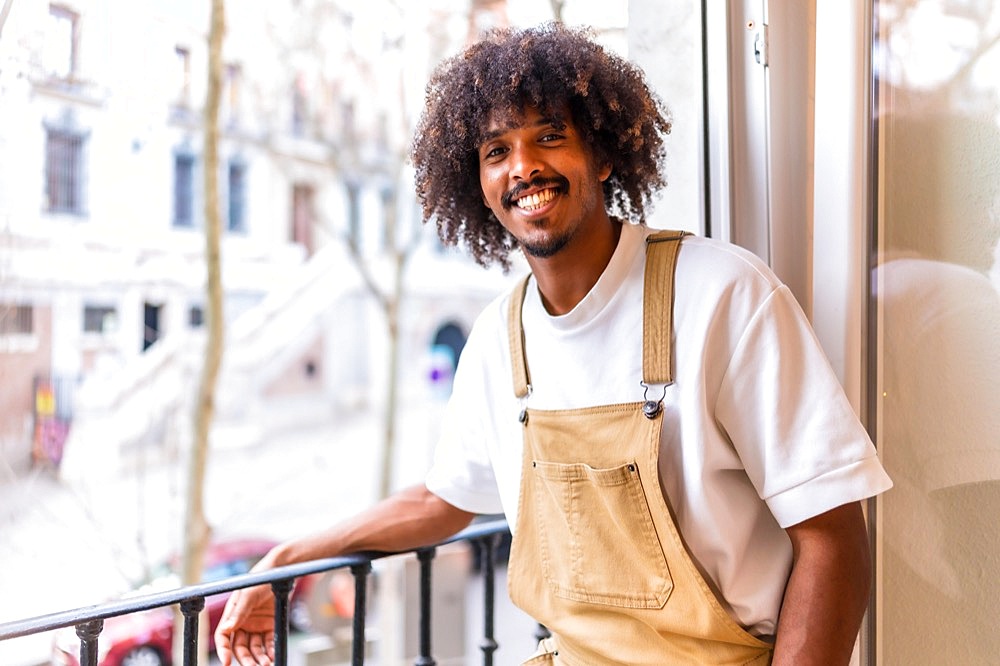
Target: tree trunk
<point>196,528</point>
<point>391,398</point>
<point>392,302</point>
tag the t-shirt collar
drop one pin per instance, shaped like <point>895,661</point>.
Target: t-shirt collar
<point>631,241</point>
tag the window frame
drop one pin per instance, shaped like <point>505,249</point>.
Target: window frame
<point>236,195</point>
<point>65,170</point>
<point>184,196</point>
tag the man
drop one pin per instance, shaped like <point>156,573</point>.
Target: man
<point>681,471</point>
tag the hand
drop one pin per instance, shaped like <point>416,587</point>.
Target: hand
<point>245,635</point>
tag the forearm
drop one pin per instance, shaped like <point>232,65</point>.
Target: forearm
<point>827,592</point>
<point>408,519</point>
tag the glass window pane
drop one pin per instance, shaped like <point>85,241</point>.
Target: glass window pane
<point>938,343</point>
<point>64,164</point>
<point>237,196</point>
<point>183,190</point>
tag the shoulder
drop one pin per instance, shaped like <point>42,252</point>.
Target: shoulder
<point>721,281</point>
<point>701,255</point>
<point>724,261</point>
<point>488,339</point>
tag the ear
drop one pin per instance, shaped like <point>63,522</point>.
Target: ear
<point>604,172</point>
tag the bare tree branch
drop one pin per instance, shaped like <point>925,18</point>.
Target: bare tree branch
<point>557,9</point>
<point>364,270</point>
<point>4,13</point>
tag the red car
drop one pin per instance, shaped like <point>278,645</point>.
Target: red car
<point>146,638</point>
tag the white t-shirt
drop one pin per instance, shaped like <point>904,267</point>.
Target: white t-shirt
<point>755,412</point>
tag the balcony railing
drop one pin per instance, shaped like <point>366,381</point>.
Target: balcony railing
<point>89,621</point>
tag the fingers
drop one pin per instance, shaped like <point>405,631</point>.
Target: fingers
<point>258,649</point>
<point>226,621</point>
<point>245,634</point>
<point>253,649</point>
<point>223,648</point>
<point>223,645</point>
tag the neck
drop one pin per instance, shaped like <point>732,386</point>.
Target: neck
<point>566,277</point>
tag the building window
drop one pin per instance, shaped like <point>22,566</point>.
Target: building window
<point>237,195</point>
<point>182,75</point>
<point>196,316</point>
<point>60,53</point>
<point>99,319</point>
<point>231,98</point>
<point>303,216</point>
<point>152,314</point>
<point>299,107</point>
<point>183,190</point>
<point>16,319</point>
<point>354,214</point>
<point>64,171</point>
<point>390,217</point>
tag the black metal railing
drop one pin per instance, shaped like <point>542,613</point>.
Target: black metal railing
<point>89,621</point>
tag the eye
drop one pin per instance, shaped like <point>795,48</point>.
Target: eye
<point>551,136</point>
<point>491,152</point>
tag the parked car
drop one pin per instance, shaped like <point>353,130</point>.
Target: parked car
<point>146,638</point>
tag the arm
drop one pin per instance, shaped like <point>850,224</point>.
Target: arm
<point>409,519</point>
<point>827,591</point>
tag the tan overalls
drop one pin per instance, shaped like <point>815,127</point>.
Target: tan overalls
<point>597,557</point>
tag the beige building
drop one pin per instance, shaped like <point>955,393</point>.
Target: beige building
<point>101,243</point>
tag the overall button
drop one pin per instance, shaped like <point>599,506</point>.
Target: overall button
<point>651,408</point>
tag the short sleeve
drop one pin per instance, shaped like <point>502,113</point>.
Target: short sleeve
<point>786,414</point>
<point>462,472</point>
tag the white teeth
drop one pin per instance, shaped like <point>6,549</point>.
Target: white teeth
<point>535,200</point>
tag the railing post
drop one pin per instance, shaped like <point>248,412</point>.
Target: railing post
<point>360,572</point>
<point>190,608</point>
<point>88,633</point>
<point>425,556</point>
<point>487,556</point>
<point>281,589</point>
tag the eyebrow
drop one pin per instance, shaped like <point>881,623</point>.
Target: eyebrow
<point>489,135</point>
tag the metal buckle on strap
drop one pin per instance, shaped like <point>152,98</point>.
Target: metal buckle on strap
<point>523,416</point>
<point>652,408</point>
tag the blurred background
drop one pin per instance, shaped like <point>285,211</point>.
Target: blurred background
<point>853,146</point>
<point>343,315</point>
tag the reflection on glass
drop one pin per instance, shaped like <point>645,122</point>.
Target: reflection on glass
<point>936,285</point>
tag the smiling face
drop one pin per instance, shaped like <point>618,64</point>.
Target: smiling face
<point>541,181</point>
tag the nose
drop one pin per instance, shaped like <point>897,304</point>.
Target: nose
<point>525,162</point>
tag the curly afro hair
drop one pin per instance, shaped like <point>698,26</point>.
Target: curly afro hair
<point>552,68</point>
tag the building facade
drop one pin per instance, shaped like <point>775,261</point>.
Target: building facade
<point>102,266</point>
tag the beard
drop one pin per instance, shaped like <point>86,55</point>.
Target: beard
<point>547,247</point>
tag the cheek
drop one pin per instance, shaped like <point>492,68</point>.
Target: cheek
<point>490,188</point>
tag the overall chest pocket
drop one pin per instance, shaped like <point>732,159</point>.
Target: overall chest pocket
<point>597,539</point>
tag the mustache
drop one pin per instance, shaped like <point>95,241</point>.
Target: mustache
<point>559,182</point>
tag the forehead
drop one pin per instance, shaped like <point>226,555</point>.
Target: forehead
<point>503,120</point>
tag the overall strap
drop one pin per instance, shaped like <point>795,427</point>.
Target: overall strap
<point>658,307</point>
<point>515,335</point>
<point>657,317</point>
